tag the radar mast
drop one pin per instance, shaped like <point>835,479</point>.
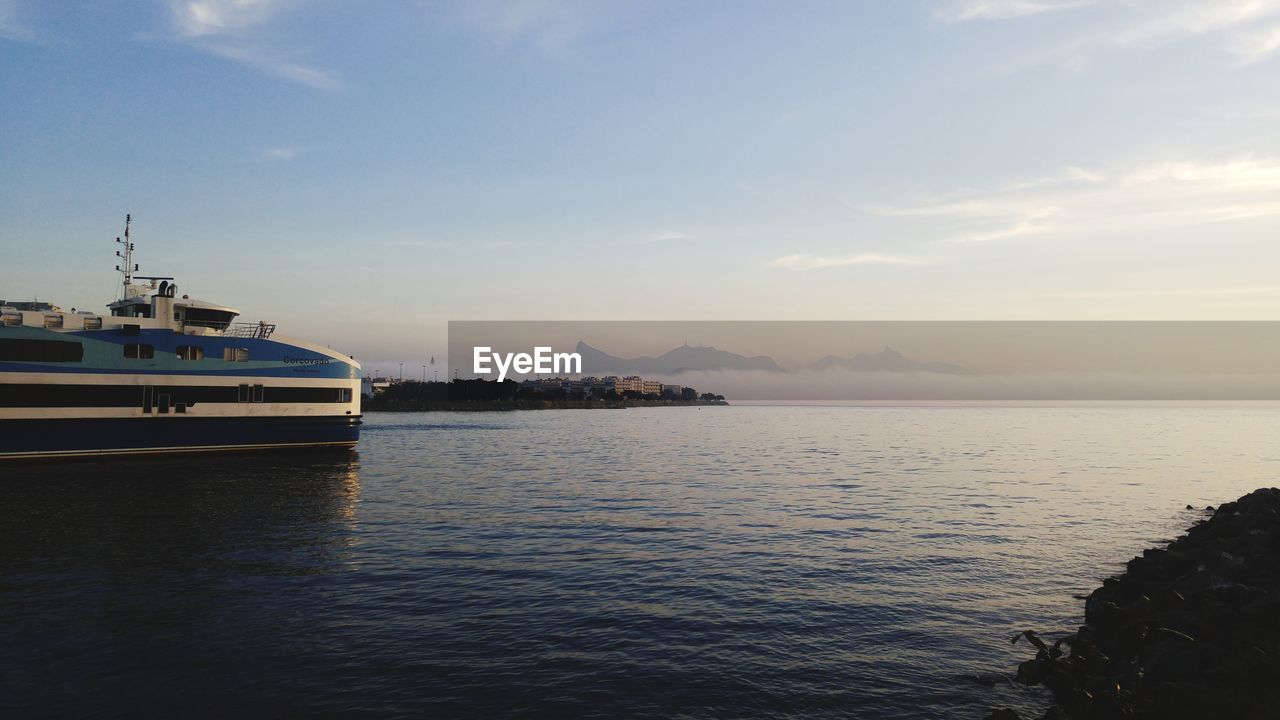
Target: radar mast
<point>129,267</point>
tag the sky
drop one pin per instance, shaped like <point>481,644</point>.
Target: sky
<point>361,173</point>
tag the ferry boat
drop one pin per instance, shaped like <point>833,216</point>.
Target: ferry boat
<point>164,373</point>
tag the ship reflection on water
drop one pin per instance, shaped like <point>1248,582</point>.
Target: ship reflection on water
<point>147,583</point>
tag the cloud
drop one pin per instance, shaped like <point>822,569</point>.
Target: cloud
<point>1250,48</point>
<point>668,236</point>
<point>14,26</point>
<point>1248,30</point>
<point>549,24</point>
<point>234,29</point>
<point>1189,292</point>
<point>280,153</point>
<point>814,262</point>
<point>996,205</point>
<point>1002,9</point>
<point>1146,197</point>
<point>415,243</point>
<point>1179,20</point>
<point>1021,229</point>
<point>268,63</point>
<point>201,18</point>
<point>10,27</point>
<point>1241,174</point>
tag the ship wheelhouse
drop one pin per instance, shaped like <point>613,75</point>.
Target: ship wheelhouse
<point>134,307</point>
<point>198,313</point>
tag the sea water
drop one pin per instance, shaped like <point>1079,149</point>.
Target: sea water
<point>853,561</point>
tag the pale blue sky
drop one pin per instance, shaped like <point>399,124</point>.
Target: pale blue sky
<point>363,172</point>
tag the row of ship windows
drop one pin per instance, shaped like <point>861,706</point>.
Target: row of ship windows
<point>138,351</point>
<point>255,393</point>
<point>59,395</point>
<point>23,350</point>
<point>161,402</point>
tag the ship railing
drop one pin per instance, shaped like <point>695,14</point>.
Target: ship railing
<point>259,330</point>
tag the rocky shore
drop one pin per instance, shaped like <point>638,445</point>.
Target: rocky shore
<point>1188,631</point>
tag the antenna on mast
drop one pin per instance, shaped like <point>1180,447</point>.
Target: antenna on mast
<point>127,255</point>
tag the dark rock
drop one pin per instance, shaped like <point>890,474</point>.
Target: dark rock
<point>1188,631</point>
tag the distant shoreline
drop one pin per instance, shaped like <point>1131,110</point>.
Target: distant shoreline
<point>374,406</point>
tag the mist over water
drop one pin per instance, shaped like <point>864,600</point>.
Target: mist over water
<point>694,562</point>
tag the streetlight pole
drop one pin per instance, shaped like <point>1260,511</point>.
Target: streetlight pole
<point>401,372</point>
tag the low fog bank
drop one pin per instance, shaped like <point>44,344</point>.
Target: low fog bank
<point>845,385</point>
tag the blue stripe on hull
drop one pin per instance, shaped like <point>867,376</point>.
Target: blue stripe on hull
<point>104,354</point>
<point>128,436</point>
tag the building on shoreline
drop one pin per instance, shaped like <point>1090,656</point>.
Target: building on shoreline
<point>611,384</point>
<point>371,386</point>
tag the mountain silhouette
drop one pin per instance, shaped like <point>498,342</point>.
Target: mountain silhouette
<point>685,358</point>
<point>887,360</point>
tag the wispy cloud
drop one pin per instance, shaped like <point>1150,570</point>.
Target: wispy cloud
<point>549,24</point>
<point>16,25</point>
<point>1248,30</point>
<point>1252,47</point>
<point>998,203</point>
<point>11,28</point>
<point>1145,197</point>
<point>1070,174</point>
<point>1021,229</point>
<point>1002,9</point>
<point>282,153</point>
<point>1175,292</point>
<point>415,243</point>
<point>815,262</point>
<point>201,18</point>
<point>233,29</point>
<point>1172,21</point>
<point>668,236</point>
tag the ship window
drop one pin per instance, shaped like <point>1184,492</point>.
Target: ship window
<point>257,393</point>
<point>93,323</point>
<point>180,408</point>
<point>41,351</point>
<point>53,321</point>
<point>190,352</point>
<point>205,317</point>
<point>243,394</point>
<point>344,395</point>
<point>135,351</point>
<point>235,354</point>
